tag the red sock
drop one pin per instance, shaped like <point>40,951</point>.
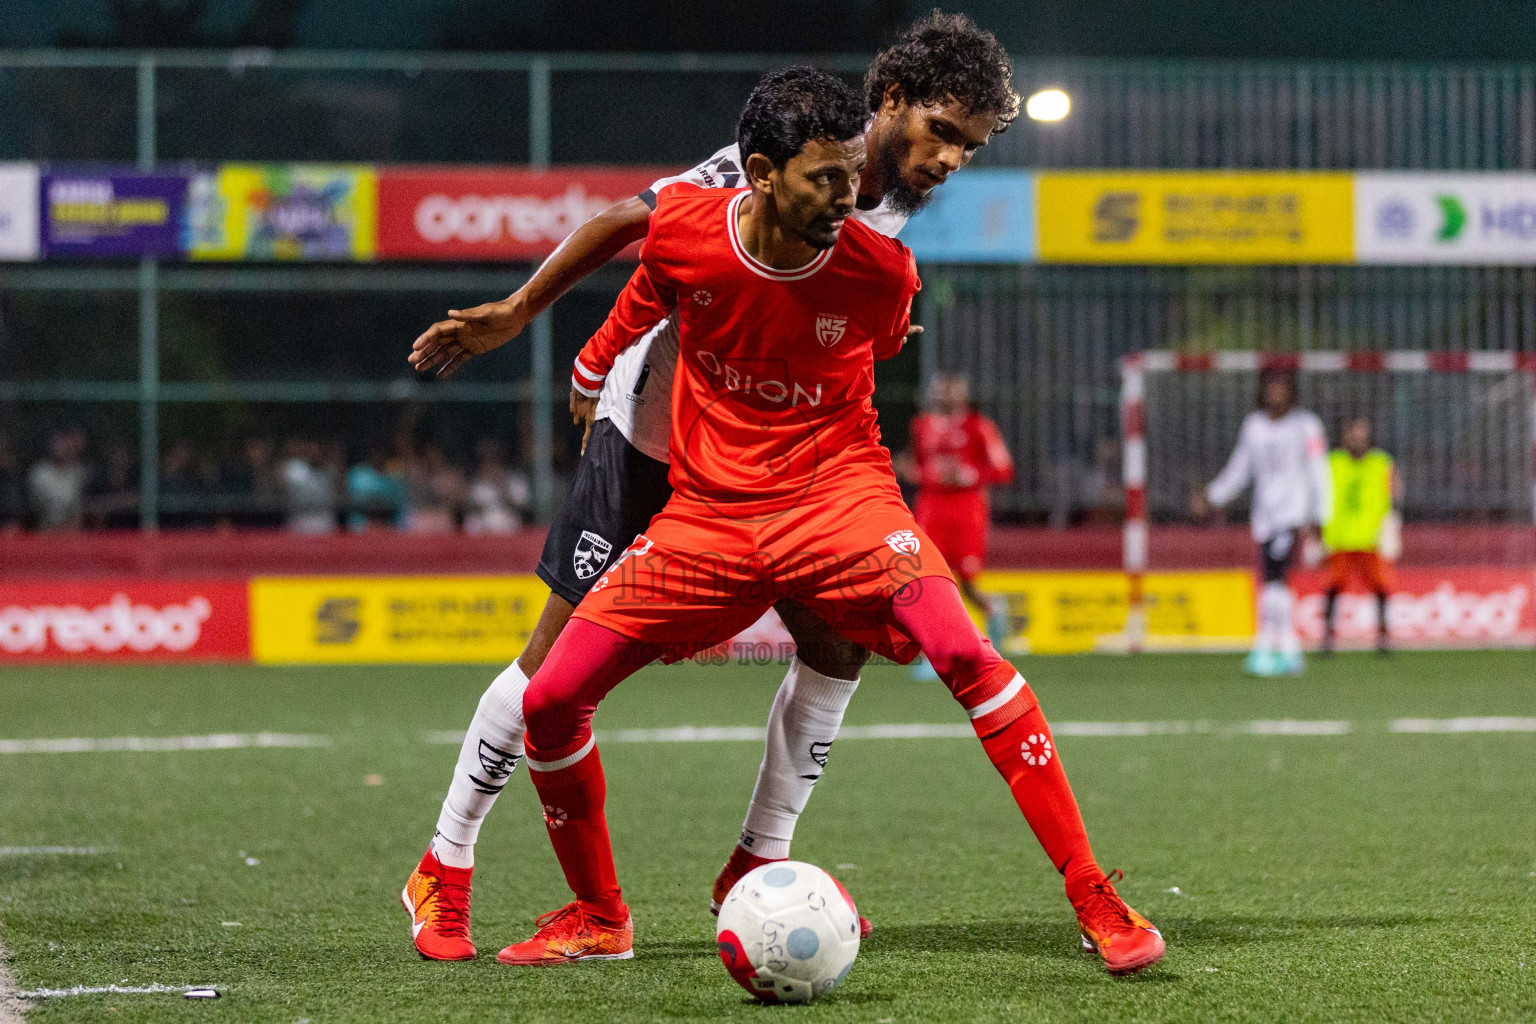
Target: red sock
<point>573,798</point>
<point>1025,756</point>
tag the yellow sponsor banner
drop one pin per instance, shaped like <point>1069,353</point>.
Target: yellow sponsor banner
<point>1074,612</point>
<point>392,620</point>
<point>286,212</point>
<point>1196,217</point>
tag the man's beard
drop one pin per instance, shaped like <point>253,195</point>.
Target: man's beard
<point>897,194</point>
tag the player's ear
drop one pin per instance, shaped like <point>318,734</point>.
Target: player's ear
<point>760,173</point>
<point>892,99</point>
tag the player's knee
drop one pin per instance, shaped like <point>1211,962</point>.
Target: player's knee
<point>959,658</point>
<point>820,647</point>
<point>550,714</point>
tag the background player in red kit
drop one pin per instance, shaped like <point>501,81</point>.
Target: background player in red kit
<point>957,453</point>
<point>781,489</point>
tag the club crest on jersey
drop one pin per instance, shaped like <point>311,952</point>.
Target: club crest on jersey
<point>904,542</point>
<point>591,555</point>
<point>703,297</point>
<point>830,329</point>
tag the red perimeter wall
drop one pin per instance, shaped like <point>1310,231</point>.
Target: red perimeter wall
<point>186,554</point>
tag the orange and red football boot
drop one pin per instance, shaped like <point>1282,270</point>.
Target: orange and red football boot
<point>739,863</point>
<point>437,898</point>
<point>570,935</point>
<point>1126,940</point>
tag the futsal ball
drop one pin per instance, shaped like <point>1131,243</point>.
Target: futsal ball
<point>788,932</point>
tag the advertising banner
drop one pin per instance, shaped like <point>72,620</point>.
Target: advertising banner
<point>383,620</point>
<point>1445,218</point>
<point>285,212</point>
<point>125,620</point>
<point>489,213</point>
<point>88,214</point>
<point>1195,217</point>
<point>980,216</point>
<point>18,212</point>
<point>1451,607</point>
<point>1075,612</point>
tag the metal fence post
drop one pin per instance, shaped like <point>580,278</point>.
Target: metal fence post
<point>543,409</point>
<point>149,323</point>
<point>543,324</point>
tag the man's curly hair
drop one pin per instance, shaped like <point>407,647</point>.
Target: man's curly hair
<point>946,57</point>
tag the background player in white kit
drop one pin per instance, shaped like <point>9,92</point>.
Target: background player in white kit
<point>1282,452</point>
<point>935,97</point>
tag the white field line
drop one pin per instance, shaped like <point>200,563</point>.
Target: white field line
<point>920,730</point>
<point>98,990</point>
<point>162,744</point>
<point>1444,725</point>
<point>49,851</point>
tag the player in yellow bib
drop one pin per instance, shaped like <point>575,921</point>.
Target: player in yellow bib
<point>1361,537</point>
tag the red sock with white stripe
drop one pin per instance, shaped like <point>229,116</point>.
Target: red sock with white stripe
<point>1007,719</point>
<point>1025,755</point>
<point>572,789</point>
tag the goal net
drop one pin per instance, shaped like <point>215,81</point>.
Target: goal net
<point>1461,427</point>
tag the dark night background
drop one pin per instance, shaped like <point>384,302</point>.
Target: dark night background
<point>1385,29</point>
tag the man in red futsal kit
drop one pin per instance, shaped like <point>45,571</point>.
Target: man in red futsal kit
<point>957,454</point>
<point>781,490</point>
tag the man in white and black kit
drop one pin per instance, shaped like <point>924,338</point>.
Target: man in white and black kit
<point>935,98</point>
<point>1282,452</point>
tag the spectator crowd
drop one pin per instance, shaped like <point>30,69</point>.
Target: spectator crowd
<point>301,484</point>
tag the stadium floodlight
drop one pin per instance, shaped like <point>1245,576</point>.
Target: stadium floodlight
<point>1467,433</point>
<point>1048,105</point>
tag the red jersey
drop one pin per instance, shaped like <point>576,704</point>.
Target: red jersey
<point>775,367</point>
<point>964,452</point>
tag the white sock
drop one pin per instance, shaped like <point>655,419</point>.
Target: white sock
<point>1276,632</point>
<point>492,747</point>
<point>1285,622</point>
<point>807,711</point>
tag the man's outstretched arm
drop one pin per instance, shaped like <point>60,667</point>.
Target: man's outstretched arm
<point>449,344</point>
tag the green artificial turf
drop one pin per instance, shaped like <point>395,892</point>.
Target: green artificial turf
<point>1371,876</point>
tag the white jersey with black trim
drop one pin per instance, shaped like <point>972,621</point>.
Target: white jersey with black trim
<point>637,393</point>
<point>1286,461</point>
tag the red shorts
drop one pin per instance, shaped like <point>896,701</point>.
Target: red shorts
<point>957,521</point>
<point>698,576</point>
<point>1367,566</point>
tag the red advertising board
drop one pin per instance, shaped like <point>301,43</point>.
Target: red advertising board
<point>1450,607</point>
<point>495,213</point>
<point>125,620</point>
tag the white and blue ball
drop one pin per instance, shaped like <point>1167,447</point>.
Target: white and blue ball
<point>788,932</point>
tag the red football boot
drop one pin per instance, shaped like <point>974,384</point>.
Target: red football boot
<point>740,862</point>
<point>1126,940</point>
<point>437,898</point>
<point>569,935</point>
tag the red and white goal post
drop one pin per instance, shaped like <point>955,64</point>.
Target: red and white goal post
<point>1464,422</point>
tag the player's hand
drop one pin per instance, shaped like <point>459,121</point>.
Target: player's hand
<point>913,330</point>
<point>1200,506</point>
<point>449,344</point>
<point>583,414</point>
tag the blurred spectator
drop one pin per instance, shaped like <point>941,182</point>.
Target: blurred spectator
<point>115,499</point>
<point>13,507</point>
<point>183,500</point>
<point>56,483</point>
<point>309,488</point>
<point>435,488</point>
<point>375,494</point>
<point>498,495</point>
<point>254,485</point>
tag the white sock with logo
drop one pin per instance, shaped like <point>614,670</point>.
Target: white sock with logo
<point>491,749</point>
<point>806,714</point>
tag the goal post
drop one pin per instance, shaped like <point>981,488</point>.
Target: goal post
<point>1466,434</point>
